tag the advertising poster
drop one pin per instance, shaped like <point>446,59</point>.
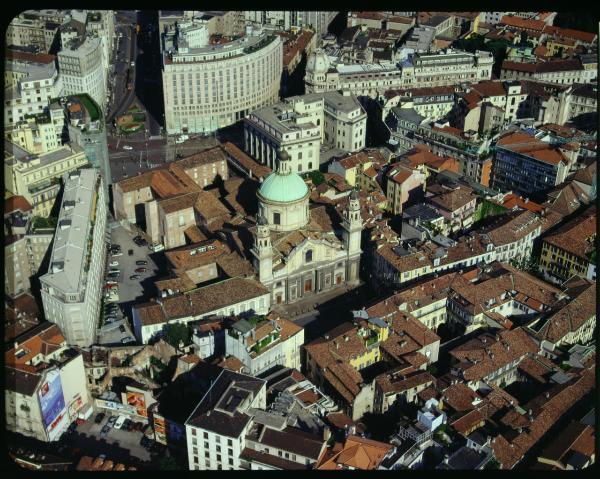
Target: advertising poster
<point>117,406</point>
<point>75,406</point>
<point>138,401</point>
<point>160,433</point>
<point>52,401</point>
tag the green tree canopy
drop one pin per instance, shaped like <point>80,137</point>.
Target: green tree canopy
<point>177,333</point>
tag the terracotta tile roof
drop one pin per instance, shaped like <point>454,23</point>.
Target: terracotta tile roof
<point>398,383</point>
<point>509,453</point>
<point>584,37</point>
<point>88,463</point>
<point>178,203</point>
<point>205,157</point>
<point>490,88</point>
<point>472,420</point>
<point>523,23</point>
<point>17,55</point>
<point>200,301</point>
<point>43,340</point>
<point>210,208</point>
<point>232,363</point>
<point>478,359</point>
<point>258,170</point>
<point>194,234</point>
<point>576,236</point>
<point>570,318</point>
<point>512,200</point>
<point>538,368</point>
<point>195,255</point>
<point>460,397</point>
<point>356,453</point>
<point>421,155</point>
<point>370,15</point>
<point>399,173</point>
<point>454,199</point>
<point>512,227</point>
<point>531,146</point>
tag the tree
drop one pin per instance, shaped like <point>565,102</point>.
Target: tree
<point>316,177</point>
<point>178,333</point>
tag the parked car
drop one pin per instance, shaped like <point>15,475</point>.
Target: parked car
<point>114,270</point>
<point>119,422</point>
<point>105,431</point>
<point>141,262</point>
<point>112,283</point>
<point>72,428</point>
<point>127,147</point>
<point>127,425</point>
<point>114,263</point>
<point>135,276</point>
<point>156,247</point>
<point>111,421</point>
<point>141,270</point>
<point>122,328</point>
<point>99,417</point>
<point>127,340</point>
<point>137,238</point>
<point>130,252</point>
<point>115,255</point>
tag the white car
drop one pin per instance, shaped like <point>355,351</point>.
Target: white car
<point>119,422</point>
<point>115,255</point>
<point>127,147</point>
<point>114,263</point>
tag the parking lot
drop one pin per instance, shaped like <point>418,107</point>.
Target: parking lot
<point>130,291</point>
<point>117,444</point>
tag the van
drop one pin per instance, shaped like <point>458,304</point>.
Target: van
<point>156,247</point>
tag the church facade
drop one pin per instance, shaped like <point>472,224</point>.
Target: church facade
<point>299,250</point>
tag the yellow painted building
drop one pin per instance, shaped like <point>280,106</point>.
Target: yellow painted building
<point>371,335</point>
<point>37,177</point>
<point>568,251</point>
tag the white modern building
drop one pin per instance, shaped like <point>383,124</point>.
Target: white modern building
<point>30,82</point>
<point>82,66</point>
<point>207,87</point>
<point>72,287</point>
<point>301,124</point>
<point>216,430</point>
<point>266,344</point>
<point>285,20</point>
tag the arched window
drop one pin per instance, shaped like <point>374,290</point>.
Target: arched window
<point>308,256</point>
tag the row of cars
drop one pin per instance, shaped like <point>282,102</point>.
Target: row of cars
<point>119,422</point>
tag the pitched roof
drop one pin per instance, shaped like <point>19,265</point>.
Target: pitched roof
<point>355,453</point>
<point>585,37</point>
<point>576,236</point>
<point>523,23</point>
<point>16,203</point>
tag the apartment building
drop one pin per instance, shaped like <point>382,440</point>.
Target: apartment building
<point>523,164</point>
<point>217,428</point>
<point>25,246</point>
<point>27,32</point>
<point>492,358</point>
<point>83,68</point>
<point>225,298</point>
<point>360,169</point>
<point>301,124</point>
<point>30,82</point>
<point>37,177</point>
<point>582,100</point>
<point>45,388</point>
<point>382,332</point>
<point>456,205</point>
<point>433,103</point>
<point>208,87</point>
<point>354,453</point>
<point>495,294</point>
<point>511,236</point>
<point>318,21</point>
<point>563,72</point>
<point>403,184</point>
<point>575,322</point>
<point>570,250</point>
<point>71,289</point>
<point>101,24</point>
<point>38,135</point>
<point>265,344</point>
<point>419,70</point>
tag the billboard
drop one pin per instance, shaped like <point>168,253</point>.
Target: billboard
<point>138,401</point>
<point>52,401</point>
<point>115,406</point>
<point>75,406</point>
<point>160,433</point>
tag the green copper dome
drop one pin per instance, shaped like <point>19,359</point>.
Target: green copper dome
<point>283,185</point>
<point>283,188</point>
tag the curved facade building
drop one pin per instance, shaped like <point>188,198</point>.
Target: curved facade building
<point>214,86</point>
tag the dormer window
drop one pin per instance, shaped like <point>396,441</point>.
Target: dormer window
<point>308,257</point>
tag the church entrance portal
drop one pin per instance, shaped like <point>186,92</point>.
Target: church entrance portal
<point>308,286</point>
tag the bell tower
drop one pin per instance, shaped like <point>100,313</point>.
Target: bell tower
<point>263,251</point>
<point>352,225</point>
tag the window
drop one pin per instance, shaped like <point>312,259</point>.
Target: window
<point>231,461</point>
<point>205,435</point>
<point>277,218</point>
<point>308,256</point>
<point>229,442</point>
